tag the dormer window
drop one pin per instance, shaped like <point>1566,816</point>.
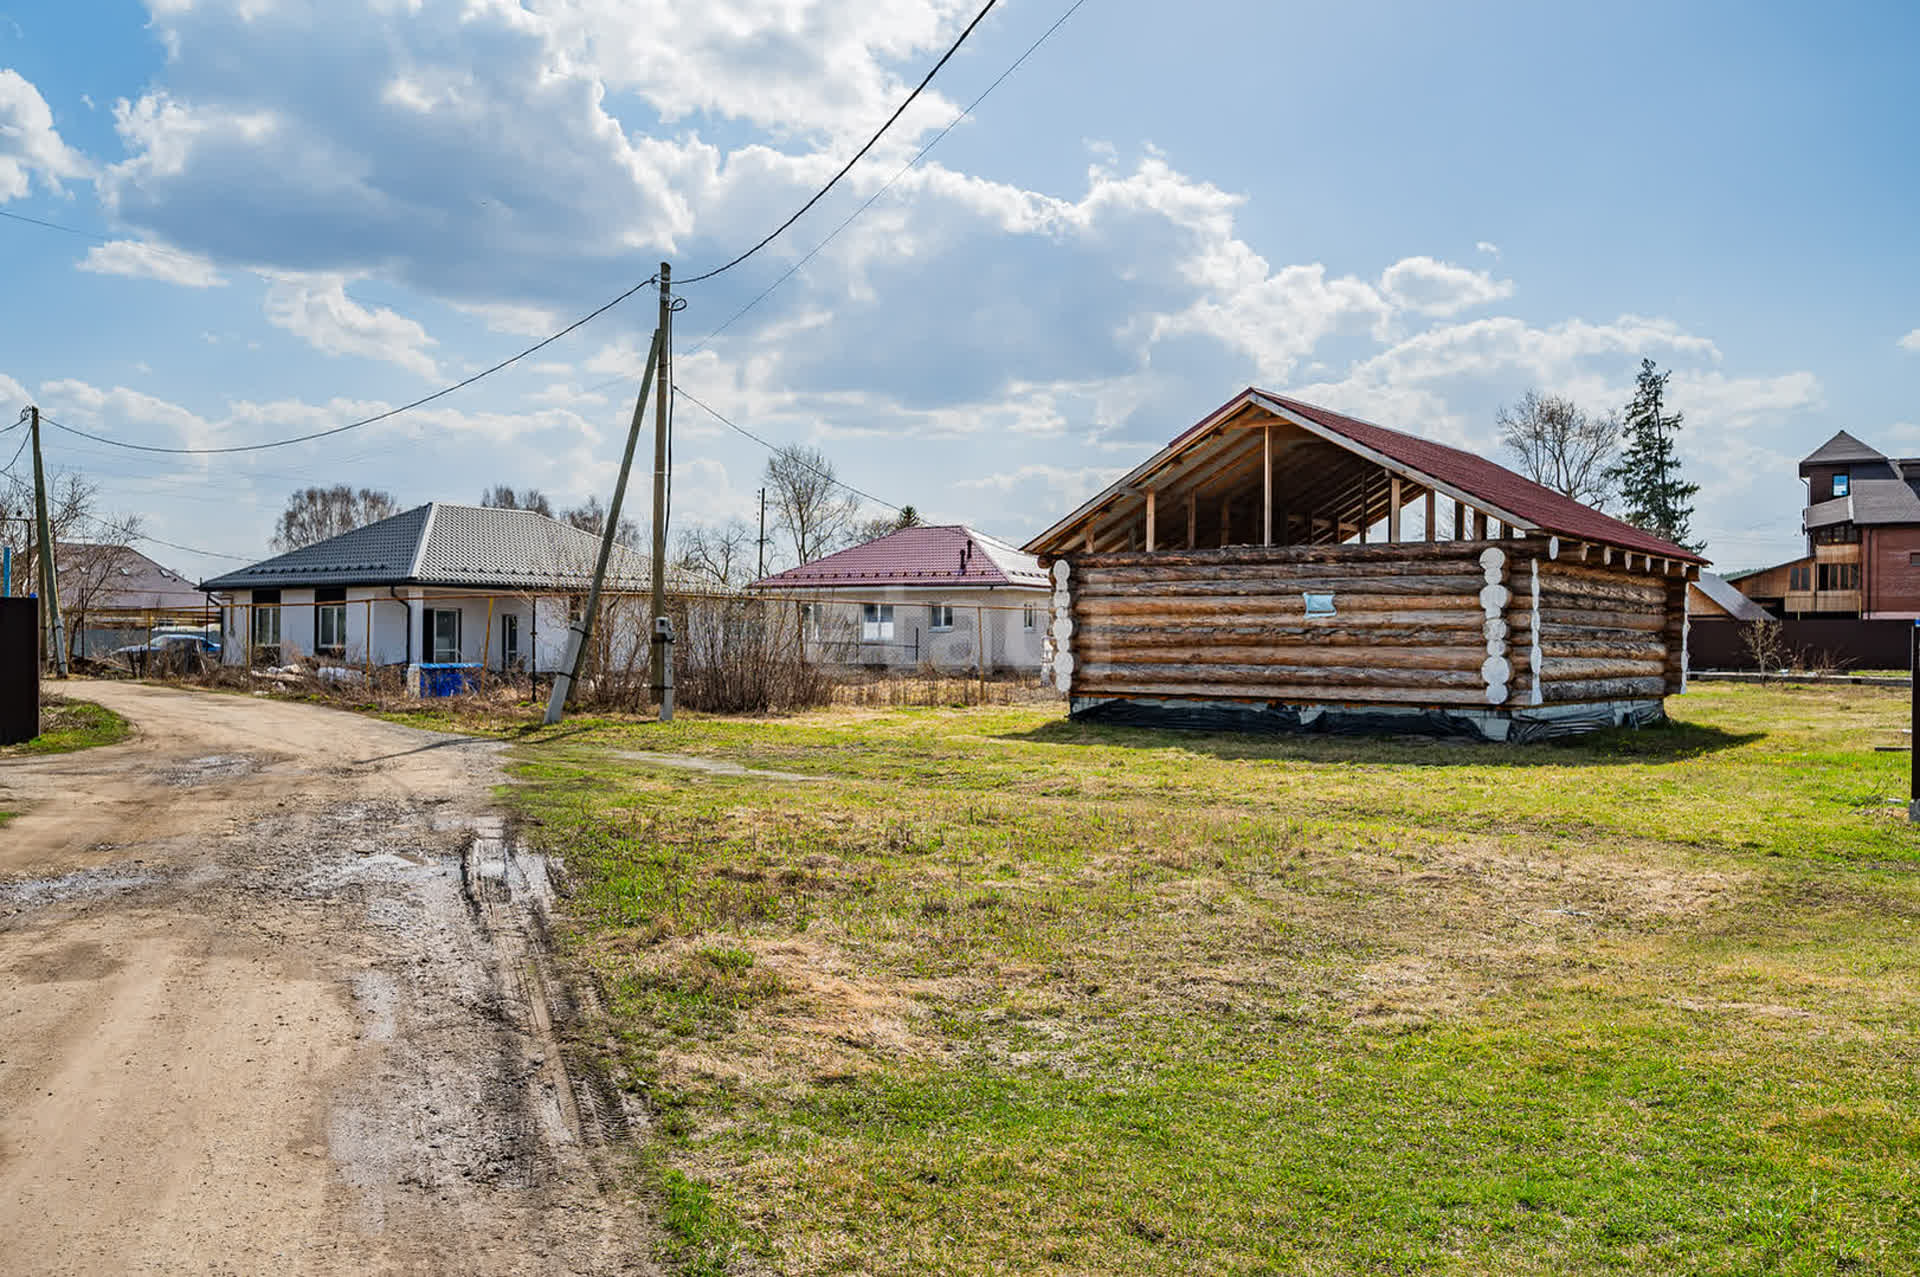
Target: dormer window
<point>1840,484</point>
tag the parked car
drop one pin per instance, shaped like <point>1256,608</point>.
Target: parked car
<point>169,650</point>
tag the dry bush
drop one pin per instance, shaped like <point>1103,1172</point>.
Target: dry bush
<point>744,656</point>
<point>1766,645</point>
<point>930,689</point>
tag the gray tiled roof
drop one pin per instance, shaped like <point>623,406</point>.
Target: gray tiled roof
<point>1839,450</point>
<point>1736,604</point>
<point>442,544</point>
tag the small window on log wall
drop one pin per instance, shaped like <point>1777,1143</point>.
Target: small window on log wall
<point>1318,604</point>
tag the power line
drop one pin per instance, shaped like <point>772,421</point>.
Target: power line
<point>775,448</point>
<point>888,185</point>
<point>379,416</point>
<point>104,526</point>
<point>858,155</point>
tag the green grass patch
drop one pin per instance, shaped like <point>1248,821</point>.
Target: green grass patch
<point>67,725</point>
<point>998,991</point>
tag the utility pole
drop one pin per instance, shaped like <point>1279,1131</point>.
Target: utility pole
<point>761,571</point>
<point>49,574</point>
<point>578,632</point>
<point>662,664</point>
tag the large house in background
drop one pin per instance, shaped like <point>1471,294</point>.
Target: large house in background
<point>1862,523</point>
<point>947,597</point>
<point>112,595</point>
<point>438,584</point>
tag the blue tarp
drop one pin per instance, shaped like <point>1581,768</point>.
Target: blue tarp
<point>446,678</point>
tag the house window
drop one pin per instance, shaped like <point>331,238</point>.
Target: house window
<point>940,617</point>
<point>1029,618</point>
<point>443,635</point>
<point>330,622</point>
<point>1837,534</point>
<point>1318,604</point>
<point>509,642</point>
<point>1839,576</point>
<point>876,623</point>
<point>1840,484</point>
<point>266,627</point>
<point>1800,577</point>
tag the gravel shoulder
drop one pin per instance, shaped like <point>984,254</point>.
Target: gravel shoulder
<point>272,998</point>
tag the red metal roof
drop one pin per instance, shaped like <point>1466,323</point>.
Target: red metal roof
<point>1474,475</point>
<point>947,555</point>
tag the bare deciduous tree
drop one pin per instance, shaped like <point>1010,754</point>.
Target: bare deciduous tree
<point>809,504</point>
<point>1561,446</point>
<point>314,514</point>
<point>592,518</point>
<point>504,497</point>
<point>722,555</point>
<point>89,546</point>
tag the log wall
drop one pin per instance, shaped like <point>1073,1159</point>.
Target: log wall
<point>1608,633</point>
<point>1471,624</point>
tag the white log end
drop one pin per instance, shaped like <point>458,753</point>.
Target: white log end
<point>1553,547</point>
<point>1534,659</point>
<point>1062,629</point>
<point>1496,647</point>
<point>1494,598</point>
<point>1493,558</point>
<point>1494,627</point>
<point>1496,671</point>
<point>1062,570</point>
<point>1496,693</point>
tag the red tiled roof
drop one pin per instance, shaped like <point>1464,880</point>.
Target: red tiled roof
<point>1490,481</point>
<point>949,555</point>
<point>1466,472</point>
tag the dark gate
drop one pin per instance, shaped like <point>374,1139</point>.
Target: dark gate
<point>19,670</point>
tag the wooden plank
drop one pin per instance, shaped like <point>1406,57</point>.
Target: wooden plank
<point>1456,611</point>
<point>1291,693</point>
<point>1432,501</point>
<point>1266,485</point>
<point>1150,526</point>
<point>1263,654</point>
<point>1393,509</point>
<point>1457,551</point>
<point>1193,520</point>
<point>1425,583</point>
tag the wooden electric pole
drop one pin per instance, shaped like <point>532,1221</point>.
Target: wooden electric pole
<point>760,571</point>
<point>662,665</point>
<point>55,631</point>
<point>582,629</point>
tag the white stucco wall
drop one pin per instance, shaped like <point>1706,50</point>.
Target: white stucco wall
<point>1010,645</point>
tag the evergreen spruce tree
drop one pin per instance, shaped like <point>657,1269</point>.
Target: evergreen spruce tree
<point>1648,475</point>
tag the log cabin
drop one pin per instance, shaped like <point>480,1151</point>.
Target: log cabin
<point>1280,566</point>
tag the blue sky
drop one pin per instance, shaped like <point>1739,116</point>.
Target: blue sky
<point>1408,211</point>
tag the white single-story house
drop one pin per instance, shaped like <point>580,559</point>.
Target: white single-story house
<point>438,584</point>
<point>947,597</point>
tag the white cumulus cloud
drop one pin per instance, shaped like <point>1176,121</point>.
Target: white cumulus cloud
<point>30,147</point>
<point>1429,287</point>
<point>316,309</point>
<point>141,259</point>
<point>1911,341</point>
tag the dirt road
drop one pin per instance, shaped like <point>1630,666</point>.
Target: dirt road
<point>269,1002</point>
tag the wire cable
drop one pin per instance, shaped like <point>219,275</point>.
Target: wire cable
<point>379,416</point>
<point>885,187</point>
<point>858,155</point>
<point>772,447</point>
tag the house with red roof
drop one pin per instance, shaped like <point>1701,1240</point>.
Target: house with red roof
<point>1280,565</point>
<point>947,597</point>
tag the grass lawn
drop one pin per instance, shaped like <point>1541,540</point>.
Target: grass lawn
<point>67,725</point>
<point>999,993</point>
